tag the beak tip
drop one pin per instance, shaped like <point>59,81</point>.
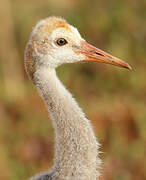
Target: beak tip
<point>128,67</point>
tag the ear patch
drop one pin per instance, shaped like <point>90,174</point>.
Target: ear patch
<point>29,61</point>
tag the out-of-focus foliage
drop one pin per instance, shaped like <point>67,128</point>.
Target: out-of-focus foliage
<point>113,98</point>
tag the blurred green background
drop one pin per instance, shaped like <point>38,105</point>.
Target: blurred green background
<point>113,98</point>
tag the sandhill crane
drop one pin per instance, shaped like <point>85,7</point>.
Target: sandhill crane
<point>54,42</point>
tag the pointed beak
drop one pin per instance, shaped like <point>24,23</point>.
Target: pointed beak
<point>94,54</point>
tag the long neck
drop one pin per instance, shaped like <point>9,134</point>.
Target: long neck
<point>76,146</point>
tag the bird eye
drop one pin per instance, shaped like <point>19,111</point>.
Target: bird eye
<point>61,41</point>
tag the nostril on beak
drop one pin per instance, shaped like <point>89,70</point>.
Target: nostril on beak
<point>99,54</point>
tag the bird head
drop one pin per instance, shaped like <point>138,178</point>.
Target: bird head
<point>54,42</point>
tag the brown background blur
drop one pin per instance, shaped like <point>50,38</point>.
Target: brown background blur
<point>113,98</point>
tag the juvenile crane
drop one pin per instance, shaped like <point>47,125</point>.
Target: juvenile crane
<point>54,42</point>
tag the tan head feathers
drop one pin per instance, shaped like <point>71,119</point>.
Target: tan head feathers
<point>42,29</point>
<point>48,25</point>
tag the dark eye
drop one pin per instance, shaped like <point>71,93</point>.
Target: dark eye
<point>61,41</point>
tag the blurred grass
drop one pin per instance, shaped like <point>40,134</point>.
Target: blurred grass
<point>116,97</point>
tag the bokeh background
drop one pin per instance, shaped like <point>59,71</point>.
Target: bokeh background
<point>113,98</point>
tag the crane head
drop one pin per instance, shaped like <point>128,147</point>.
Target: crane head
<point>54,42</point>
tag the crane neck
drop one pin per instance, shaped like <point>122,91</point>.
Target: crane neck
<point>76,145</point>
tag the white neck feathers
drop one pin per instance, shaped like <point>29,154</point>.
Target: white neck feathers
<point>76,146</point>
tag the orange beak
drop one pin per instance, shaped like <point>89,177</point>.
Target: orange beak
<point>94,54</point>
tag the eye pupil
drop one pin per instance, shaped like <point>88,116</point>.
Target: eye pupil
<point>61,42</point>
